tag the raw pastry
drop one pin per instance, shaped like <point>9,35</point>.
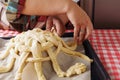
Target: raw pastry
<point>29,47</point>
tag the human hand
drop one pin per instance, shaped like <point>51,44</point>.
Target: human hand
<point>55,22</point>
<point>82,24</point>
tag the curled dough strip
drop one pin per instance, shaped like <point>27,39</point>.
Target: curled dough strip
<point>6,53</point>
<point>36,52</point>
<point>22,64</point>
<point>56,66</point>
<point>78,68</point>
<point>7,68</point>
<point>38,59</point>
<point>69,45</point>
<point>70,52</point>
<point>58,49</point>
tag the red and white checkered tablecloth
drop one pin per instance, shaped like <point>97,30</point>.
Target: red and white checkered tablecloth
<point>106,44</point>
<point>8,33</point>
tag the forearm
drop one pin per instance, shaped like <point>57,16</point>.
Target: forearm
<point>45,7</point>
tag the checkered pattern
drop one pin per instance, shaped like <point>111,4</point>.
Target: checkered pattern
<point>11,33</point>
<point>106,43</point>
<point>8,33</point>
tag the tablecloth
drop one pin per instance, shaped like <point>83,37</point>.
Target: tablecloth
<point>106,44</point>
<point>8,33</point>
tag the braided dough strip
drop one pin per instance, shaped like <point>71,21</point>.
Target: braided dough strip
<point>36,52</point>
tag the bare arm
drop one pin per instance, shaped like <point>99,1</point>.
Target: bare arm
<point>78,17</point>
<point>45,7</point>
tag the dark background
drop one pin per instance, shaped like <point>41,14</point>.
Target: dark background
<point>105,14</point>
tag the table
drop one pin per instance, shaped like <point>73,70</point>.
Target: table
<point>106,44</point>
<point>8,33</point>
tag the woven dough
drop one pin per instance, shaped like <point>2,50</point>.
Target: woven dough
<point>30,46</point>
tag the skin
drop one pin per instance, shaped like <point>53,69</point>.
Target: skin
<point>57,23</point>
<point>66,10</point>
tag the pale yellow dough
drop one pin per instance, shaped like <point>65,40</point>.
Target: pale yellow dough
<point>29,46</point>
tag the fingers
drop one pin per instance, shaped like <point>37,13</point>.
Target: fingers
<point>82,33</point>
<point>79,33</point>
<point>57,24</point>
<point>89,30</point>
<point>40,25</point>
<point>49,23</point>
<point>76,33</point>
<point>60,28</point>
